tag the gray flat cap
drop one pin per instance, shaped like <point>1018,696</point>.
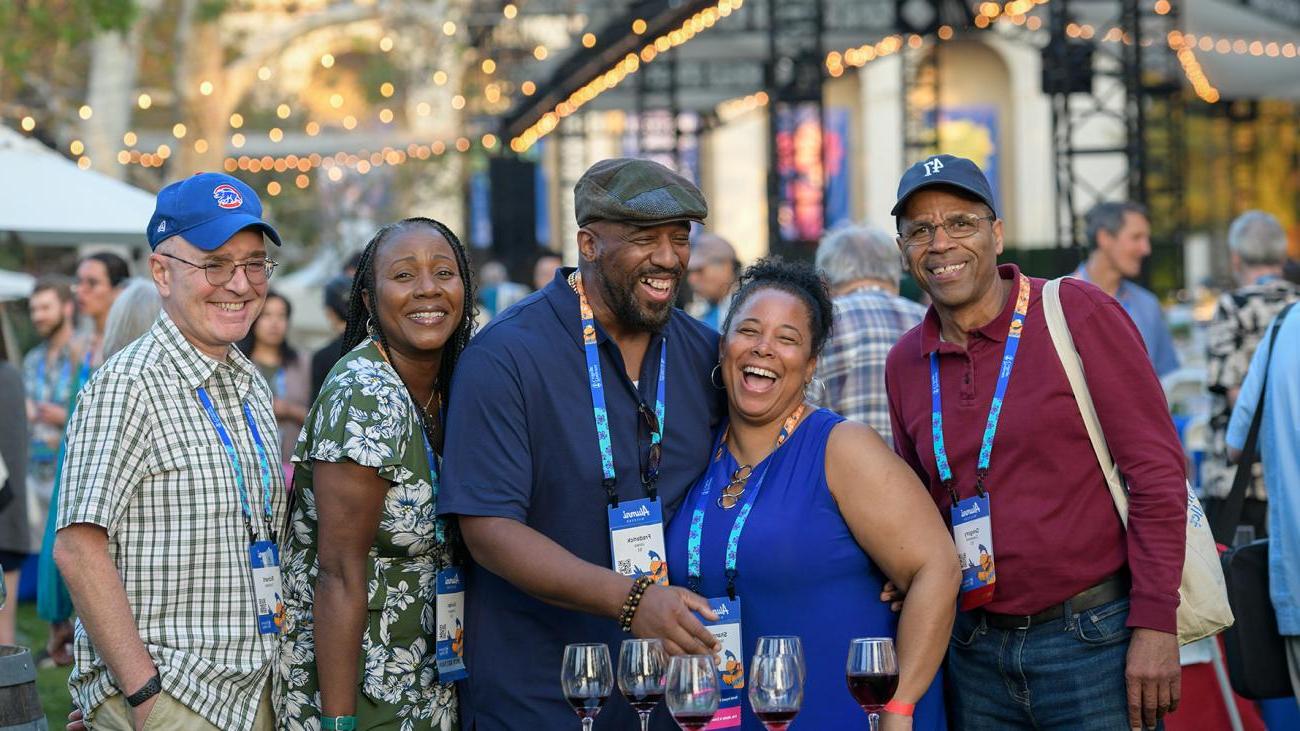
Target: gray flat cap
<point>639,192</point>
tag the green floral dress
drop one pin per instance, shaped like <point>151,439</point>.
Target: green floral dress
<point>363,415</point>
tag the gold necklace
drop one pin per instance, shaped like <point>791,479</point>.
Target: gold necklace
<point>730,495</point>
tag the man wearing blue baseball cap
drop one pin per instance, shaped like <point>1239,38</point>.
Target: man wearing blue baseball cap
<point>1075,628</point>
<point>172,492</point>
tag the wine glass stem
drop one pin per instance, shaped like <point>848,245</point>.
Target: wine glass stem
<point>586,723</point>
<point>874,720</point>
<point>645,720</point>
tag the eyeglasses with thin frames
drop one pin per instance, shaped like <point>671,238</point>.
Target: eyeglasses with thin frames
<point>221,272</point>
<point>960,226</point>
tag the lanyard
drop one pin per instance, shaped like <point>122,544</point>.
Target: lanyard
<point>598,396</point>
<point>995,408</point>
<point>263,463</point>
<point>439,525</point>
<point>738,526</point>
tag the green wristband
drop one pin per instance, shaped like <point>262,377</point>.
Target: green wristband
<point>338,723</point>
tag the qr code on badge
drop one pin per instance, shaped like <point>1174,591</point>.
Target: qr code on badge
<point>625,567</point>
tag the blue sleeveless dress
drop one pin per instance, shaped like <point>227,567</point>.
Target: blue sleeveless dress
<point>800,573</point>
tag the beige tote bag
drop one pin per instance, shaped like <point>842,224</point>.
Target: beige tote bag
<point>1203,607</point>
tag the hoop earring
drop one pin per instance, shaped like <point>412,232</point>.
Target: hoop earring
<point>821,387</point>
<point>715,377</point>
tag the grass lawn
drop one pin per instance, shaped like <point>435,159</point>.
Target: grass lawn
<point>52,683</point>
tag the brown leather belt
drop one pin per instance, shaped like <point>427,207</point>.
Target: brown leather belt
<point>1110,589</point>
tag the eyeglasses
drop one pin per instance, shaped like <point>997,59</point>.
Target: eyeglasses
<point>735,488</point>
<point>220,272</point>
<point>961,226</point>
<point>650,470</point>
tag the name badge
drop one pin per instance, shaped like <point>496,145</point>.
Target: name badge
<point>972,532</point>
<point>731,669</point>
<point>268,597</point>
<point>636,539</point>
<point>450,640</point>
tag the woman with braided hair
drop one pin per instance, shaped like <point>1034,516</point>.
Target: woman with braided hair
<point>364,548</point>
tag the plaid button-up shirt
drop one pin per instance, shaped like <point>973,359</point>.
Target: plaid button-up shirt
<point>868,321</point>
<point>145,463</point>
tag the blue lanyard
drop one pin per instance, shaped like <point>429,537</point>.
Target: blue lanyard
<point>263,463</point>
<point>439,526</point>
<point>995,408</point>
<point>598,394</point>
<point>738,526</point>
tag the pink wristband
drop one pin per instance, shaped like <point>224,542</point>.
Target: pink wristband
<point>900,708</point>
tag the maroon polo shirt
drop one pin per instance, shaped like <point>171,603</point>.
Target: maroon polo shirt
<point>1055,529</point>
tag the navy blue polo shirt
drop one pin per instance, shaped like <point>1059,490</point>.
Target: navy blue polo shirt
<point>521,444</point>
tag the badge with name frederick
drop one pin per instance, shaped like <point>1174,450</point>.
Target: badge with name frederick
<point>731,669</point>
<point>636,539</point>
<point>450,637</point>
<point>972,532</point>
<point>268,597</point>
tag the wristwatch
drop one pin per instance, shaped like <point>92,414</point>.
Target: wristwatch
<point>338,723</point>
<point>147,691</point>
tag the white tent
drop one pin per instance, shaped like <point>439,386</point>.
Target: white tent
<point>47,199</point>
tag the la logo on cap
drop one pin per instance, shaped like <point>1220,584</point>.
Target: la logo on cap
<point>932,166</point>
<point>226,196</point>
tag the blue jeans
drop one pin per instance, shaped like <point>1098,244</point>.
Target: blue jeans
<point>1065,674</point>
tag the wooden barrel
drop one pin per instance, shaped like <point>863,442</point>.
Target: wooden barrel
<point>20,706</point>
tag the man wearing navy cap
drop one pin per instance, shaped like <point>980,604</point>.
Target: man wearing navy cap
<point>533,477</point>
<point>172,492</point>
<point>1075,628</point>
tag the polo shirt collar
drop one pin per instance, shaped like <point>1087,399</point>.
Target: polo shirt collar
<point>564,302</point>
<point>996,329</point>
<point>193,367</point>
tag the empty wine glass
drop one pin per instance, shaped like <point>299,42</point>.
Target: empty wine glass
<point>872,674</point>
<point>642,675</point>
<point>588,679</point>
<point>775,690</point>
<point>692,692</point>
<point>782,645</point>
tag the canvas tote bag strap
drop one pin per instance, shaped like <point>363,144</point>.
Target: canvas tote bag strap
<point>1069,356</point>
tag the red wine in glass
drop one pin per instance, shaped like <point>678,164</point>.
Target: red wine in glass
<point>776,720</point>
<point>586,707</point>
<point>644,702</point>
<point>691,721</point>
<point>873,690</point>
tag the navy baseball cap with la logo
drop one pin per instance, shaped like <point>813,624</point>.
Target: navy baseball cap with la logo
<point>206,209</point>
<point>950,170</point>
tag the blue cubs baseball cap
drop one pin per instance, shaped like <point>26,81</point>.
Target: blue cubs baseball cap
<point>206,209</point>
<point>950,170</point>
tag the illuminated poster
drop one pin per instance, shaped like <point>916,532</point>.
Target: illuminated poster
<point>801,175</point>
<point>972,132</point>
<point>839,196</point>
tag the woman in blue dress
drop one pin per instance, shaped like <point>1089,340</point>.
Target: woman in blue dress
<point>832,515</point>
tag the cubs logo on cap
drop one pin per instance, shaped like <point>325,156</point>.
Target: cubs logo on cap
<point>226,196</point>
<point>185,208</point>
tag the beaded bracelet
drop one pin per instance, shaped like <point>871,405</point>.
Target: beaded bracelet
<point>633,601</point>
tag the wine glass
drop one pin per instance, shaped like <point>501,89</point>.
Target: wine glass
<point>872,674</point>
<point>692,692</point>
<point>775,690</point>
<point>588,679</point>
<point>642,675</point>
<point>782,645</point>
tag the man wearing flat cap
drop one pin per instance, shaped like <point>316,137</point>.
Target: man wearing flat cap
<point>1076,628</point>
<point>172,489</point>
<point>579,418</point>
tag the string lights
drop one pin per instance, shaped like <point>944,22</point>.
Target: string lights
<point>614,75</point>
